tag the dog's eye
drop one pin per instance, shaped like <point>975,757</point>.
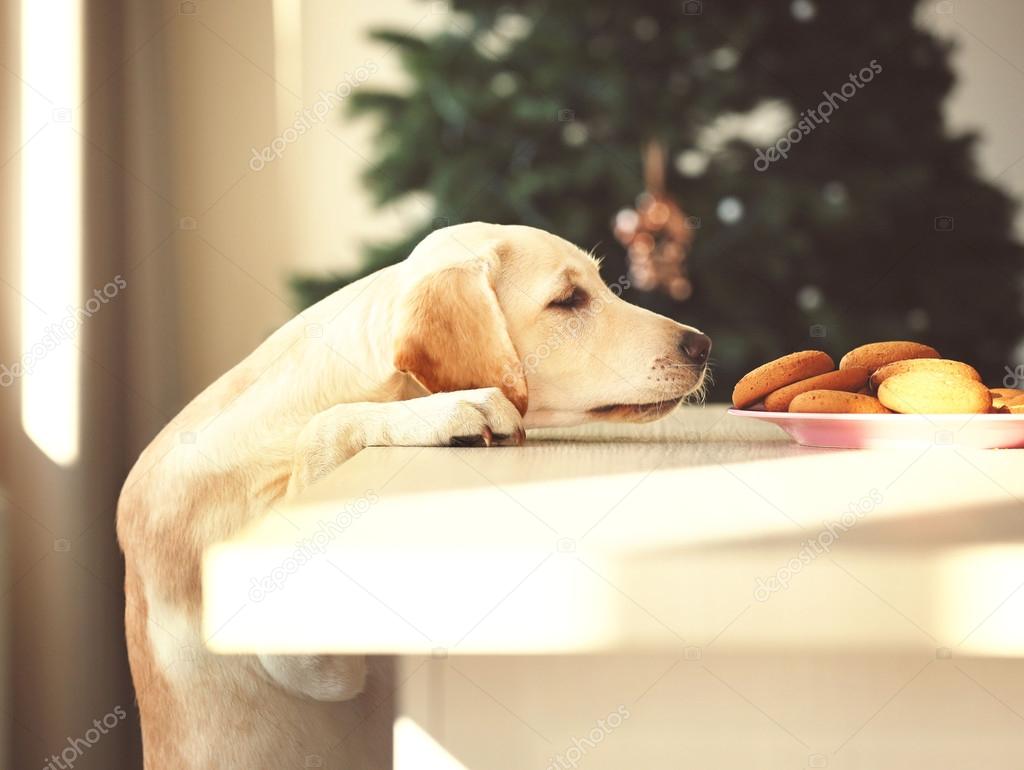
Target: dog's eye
<point>575,298</point>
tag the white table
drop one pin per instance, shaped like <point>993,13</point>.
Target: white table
<point>801,596</point>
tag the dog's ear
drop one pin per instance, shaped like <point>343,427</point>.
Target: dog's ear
<point>451,333</point>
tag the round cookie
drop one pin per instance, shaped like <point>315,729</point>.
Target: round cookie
<point>779,373</point>
<point>851,380</point>
<point>836,402</point>
<point>937,365</point>
<point>1002,396</point>
<point>875,355</point>
<point>932,393</point>
<point>1013,405</point>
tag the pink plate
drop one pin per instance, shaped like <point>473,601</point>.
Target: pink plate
<point>897,431</point>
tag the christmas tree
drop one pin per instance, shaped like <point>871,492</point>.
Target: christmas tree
<point>797,151</point>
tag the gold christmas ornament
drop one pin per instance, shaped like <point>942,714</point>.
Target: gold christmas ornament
<point>656,233</point>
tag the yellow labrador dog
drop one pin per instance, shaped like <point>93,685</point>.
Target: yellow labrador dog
<point>483,331</point>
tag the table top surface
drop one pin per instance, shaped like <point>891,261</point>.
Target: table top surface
<point>620,537</point>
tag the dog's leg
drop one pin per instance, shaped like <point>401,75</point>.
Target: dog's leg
<point>481,417</point>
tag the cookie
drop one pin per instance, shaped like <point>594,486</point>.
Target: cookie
<point>850,380</point>
<point>877,354</point>
<point>836,402</point>
<point>933,393</point>
<point>937,365</point>
<point>779,373</point>
<point>1001,396</point>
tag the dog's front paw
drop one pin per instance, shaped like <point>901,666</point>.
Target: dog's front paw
<point>482,417</point>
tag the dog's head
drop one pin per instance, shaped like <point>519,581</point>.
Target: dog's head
<point>518,308</point>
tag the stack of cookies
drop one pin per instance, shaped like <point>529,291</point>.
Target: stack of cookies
<point>878,378</point>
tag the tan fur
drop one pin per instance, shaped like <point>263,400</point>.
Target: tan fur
<point>460,341</point>
<point>152,691</point>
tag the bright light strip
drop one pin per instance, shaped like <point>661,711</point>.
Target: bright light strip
<point>51,224</point>
<point>416,749</point>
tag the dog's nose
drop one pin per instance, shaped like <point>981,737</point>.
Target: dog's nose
<point>695,346</point>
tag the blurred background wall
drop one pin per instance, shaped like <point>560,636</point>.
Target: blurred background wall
<point>177,97</point>
<point>238,86</point>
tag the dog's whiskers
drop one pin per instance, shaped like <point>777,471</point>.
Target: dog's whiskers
<point>699,394</point>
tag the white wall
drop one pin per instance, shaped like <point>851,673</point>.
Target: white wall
<point>236,234</point>
<point>335,214</point>
<point>989,94</point>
